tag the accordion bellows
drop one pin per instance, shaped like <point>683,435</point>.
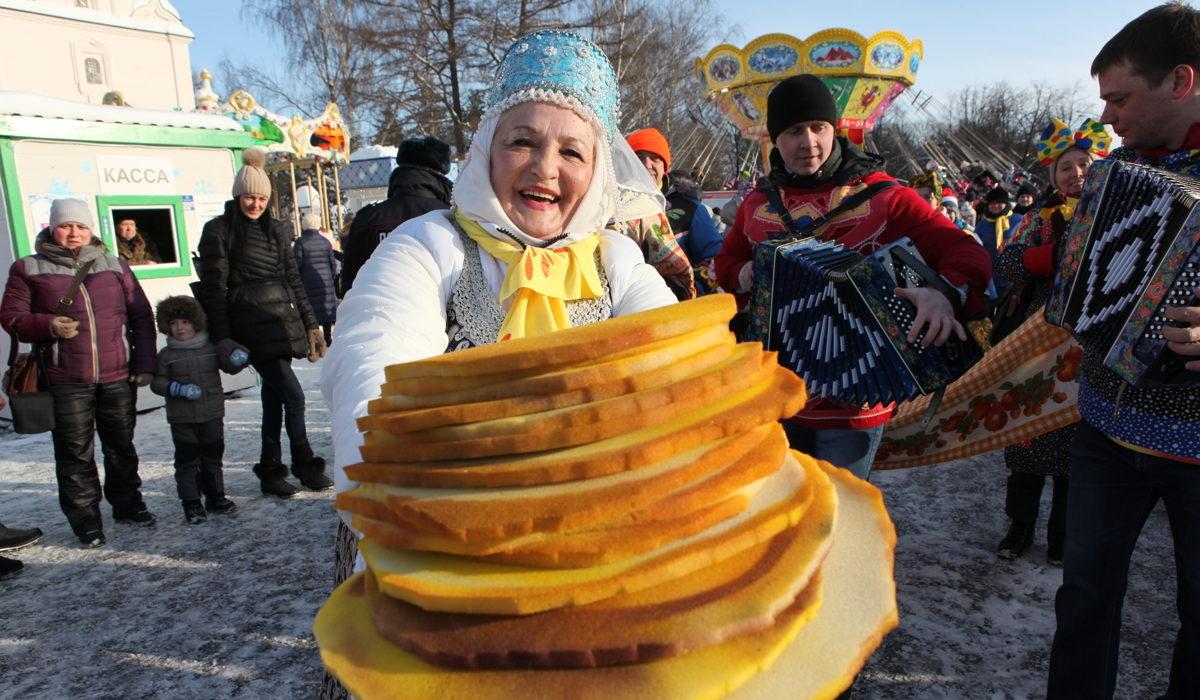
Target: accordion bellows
<point>1131,251</point>
<point>834,318</point>
<point>674,550</point>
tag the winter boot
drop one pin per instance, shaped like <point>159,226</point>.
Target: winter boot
<point>194,513</point>
<point>312,475</point>
<point>220,505</point>
<point>10,567</point>
<point>1056,531</point>
<point>1018,539</point>
<point>92,539</point>
<point>16,537</point>
<point>136,514</point>
<point>1054,548</point>
<point>273,478</point>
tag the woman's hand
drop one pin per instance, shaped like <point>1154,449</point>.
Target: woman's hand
<point>316,344</point>
<point>935,316</point>
<point>141,379</point>
<point>1185,341</point>
<point>65,328</point>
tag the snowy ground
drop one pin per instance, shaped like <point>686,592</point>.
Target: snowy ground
<point>224,610</point>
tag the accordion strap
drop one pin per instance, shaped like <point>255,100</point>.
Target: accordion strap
<point>809,229</point>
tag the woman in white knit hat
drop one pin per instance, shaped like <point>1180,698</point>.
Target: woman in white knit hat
<point>97,347</point>
<point>251,290</point>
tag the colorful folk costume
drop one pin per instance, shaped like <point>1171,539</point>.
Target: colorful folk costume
<point>469,276</point>
<point>1028,263</point>
<point>1027,383</point>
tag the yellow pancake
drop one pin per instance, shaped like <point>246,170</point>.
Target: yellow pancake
<point>456,584</point>
<point>773,382</point>
<point>477,514</point>
<point>547,379</point>
<point>857,609</point>
<point>738,413</point>
<point>741,595</point>
<point>579,345</point>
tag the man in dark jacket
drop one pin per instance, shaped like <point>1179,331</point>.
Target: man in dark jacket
<point>251,291</point>
<point>418,186</point>
<point>318,268</point>
<point>691,221</point>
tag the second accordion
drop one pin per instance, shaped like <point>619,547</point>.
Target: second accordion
<point>1131,251</point>
<point>834,318</point>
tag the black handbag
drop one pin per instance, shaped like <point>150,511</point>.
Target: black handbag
<point>32,406</point>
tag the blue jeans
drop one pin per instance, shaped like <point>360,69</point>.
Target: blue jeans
<point>1113,489</point>
<point>850,449</point>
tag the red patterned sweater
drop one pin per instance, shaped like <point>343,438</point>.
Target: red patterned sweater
<point>892,214</point>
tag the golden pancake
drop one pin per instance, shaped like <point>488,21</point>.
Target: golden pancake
<point>786,661</point>
<point>741,595</point>
<point>372,668</point>
<point>778,389</point>
<point>448,583</point>
<point>732,415</point>
<point>575,346</point>
<point>503,401</point>
<point>545,379</point>
<point>472,515</point>
<point>739,369</point>
<point>562,550</point>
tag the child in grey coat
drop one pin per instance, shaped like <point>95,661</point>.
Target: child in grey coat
<point>189,377</point>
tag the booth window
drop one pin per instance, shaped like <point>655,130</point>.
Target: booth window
<point>91,67</point>
<point>145,236</point>
<point>148,232</point>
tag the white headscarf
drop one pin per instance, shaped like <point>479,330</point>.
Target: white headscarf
<point>620,190</point>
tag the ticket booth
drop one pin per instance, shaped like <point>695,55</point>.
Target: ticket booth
<point>163,173</point>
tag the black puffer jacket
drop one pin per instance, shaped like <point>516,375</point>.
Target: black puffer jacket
<point>250,288</point>
<point>413,190</point>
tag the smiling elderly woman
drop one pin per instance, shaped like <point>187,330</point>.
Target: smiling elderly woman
<point>545,172</point>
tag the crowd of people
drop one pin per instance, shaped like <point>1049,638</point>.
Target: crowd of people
<point>549,177</point>
<point>92,331</point>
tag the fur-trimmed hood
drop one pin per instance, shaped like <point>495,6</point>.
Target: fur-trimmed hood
<point>183,307</point>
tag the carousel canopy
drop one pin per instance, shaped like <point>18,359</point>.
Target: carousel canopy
<point>323,138</point>
<point>864,74</point>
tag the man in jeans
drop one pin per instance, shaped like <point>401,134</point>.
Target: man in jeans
<point>1136,445</point>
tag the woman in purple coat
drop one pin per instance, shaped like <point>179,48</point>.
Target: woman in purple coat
<point>96,353</point>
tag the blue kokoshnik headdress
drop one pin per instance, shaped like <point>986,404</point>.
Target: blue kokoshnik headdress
<point>563,69</point>
<point>560,67</point>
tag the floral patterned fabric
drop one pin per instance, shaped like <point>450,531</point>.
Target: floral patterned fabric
<point>662,252</point>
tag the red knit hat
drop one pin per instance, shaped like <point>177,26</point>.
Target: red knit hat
<point>651,141</point>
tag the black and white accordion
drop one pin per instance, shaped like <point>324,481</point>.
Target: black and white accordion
<point>1131,251</point>
<point>834,318</point>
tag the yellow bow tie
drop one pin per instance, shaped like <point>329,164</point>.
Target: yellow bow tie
<point>539,280</point>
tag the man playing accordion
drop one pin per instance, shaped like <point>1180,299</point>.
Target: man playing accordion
<point>1136,444</point>
<point>813,171</point>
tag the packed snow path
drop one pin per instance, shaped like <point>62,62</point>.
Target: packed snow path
<point>224,609</point>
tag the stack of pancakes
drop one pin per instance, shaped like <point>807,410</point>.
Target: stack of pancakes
<point>609,510</point>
